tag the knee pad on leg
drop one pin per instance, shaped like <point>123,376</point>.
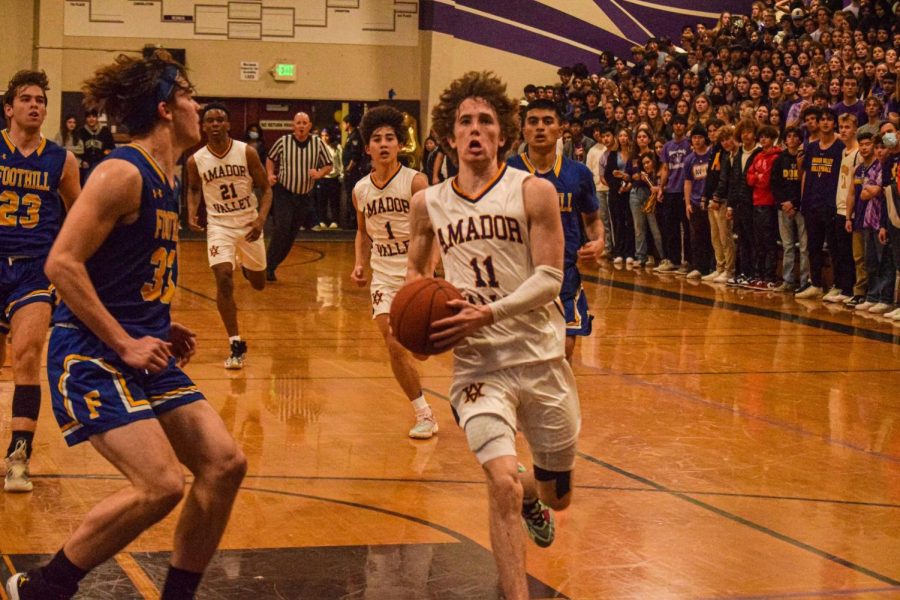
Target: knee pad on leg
<point>563,479</point>
<point>490,437</point>
<point>26,401</point>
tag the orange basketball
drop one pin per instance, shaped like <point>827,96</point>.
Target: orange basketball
<point>416,306</point>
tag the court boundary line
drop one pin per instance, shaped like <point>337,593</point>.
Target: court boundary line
<point>756,311</point>
<point>430,481</point>
<point>807,594</point>
<point>745,522</point>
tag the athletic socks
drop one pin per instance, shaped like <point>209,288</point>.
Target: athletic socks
<point>234,338</point>
<point>420,404</point>
<point>180,584</point>
<point>24,436</point>
<point>61,573</point>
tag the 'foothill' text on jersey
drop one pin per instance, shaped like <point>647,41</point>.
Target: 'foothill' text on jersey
<point>30,207</point>
<point>135,270</point>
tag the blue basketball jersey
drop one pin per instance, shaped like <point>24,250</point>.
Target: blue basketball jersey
<point>574,183</point>
<point>135,270</point>
<point>30,207</point>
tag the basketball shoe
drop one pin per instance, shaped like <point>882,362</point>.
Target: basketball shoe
<point>238,351</point>
<point>31,586</point>
<point>17,475</point>
<point>539,523</point>
<point>425,426</point>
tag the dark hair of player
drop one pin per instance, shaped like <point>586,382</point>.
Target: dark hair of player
<point>382,116</point>
<point>129,90</point>
<point>215,106</point>
<point>544,104</point>
<point>22,79</point>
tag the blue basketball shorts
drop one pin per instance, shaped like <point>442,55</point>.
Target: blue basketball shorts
<point>92,390</point>
<point>22,282</point>
<point>574,304</point>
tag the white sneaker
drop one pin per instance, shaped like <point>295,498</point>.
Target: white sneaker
<point>235,362</point>
<point>723,278</point>
<point>810,292</point>
<point>618,261</point>
<point>893,314</point>
<point>424,428</point>
<point>695,274</point>
<point>880,308</point>
<point>333,225</point>
<point>865,306</point>
<point>896,316</point>
<point>629,261</point>
<point>17,474</point>
<point>711,276</point>
<point>834,291</point>
<point>838,298</point>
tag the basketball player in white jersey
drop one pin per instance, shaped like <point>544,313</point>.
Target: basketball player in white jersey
<point>382,200</point>
<point>501,242</point>
<point>224,173</point>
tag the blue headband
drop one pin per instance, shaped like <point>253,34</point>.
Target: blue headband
<point>145,113</point>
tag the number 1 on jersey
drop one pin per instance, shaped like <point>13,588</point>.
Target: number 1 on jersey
<point>390,233</point>
<point>489,269</point>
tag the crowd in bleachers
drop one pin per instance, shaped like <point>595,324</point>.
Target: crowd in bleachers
<point>760,153</point>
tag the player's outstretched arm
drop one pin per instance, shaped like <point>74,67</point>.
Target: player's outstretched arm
<point>360,245</point>
<point>70,182</point>
<point>194,194</point>
<point>111,197</point>
<point>419,183</point>
<point>261,182</point>
<point>421,244</point>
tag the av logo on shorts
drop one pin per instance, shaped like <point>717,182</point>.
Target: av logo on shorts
<point>213,250</point>
<point>377,297</point>
<point>473,391</point>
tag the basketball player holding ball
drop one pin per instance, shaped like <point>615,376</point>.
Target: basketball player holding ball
<point>381,200</point>
<point>501,242</point>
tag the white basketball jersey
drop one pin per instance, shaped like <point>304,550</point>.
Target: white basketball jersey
<point>486,253</point>
<point>227,185</point>
<point>386,211</point>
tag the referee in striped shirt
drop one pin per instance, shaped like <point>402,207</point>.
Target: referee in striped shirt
<point>294,164</point>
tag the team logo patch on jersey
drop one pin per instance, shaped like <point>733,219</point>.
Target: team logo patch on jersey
<point>473,392</point>
<point>377,297</point>
<point>213,250</point>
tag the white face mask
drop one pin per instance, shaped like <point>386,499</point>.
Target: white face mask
<point>253,135</point>
<point>889,139</point>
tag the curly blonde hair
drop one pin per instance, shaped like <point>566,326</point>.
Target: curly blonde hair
<point>486,86</point>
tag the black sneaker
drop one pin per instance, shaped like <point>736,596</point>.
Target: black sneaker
<point>33,586</point>
<point>236,360</point>
<point>854,301</point>
<point>270,275</point>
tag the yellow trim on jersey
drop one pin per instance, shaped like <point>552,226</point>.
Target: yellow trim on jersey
<point>557,164</point>
<point>483,190</point>
<point>41,146</point>
<point>12,147</point>
<point>42,292</point>
<point>227,150</point>
<point>131,405</point>
<point>152,162</point>
<point>389,179</point>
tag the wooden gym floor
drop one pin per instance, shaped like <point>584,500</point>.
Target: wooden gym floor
<point>734,446</point>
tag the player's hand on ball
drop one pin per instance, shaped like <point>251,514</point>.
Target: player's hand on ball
<point>183,342</point>
<point>451,331</point>
<point>194,223</point>
<point>147,353</point>
<point>358,276</point>
<point>256,229</point>
<point>591,250</point>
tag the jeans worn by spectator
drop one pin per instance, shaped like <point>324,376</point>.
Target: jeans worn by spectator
<point>793,232</point>
<point>644,222</point>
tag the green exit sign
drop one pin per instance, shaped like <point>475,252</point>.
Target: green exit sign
<point>285,72</point>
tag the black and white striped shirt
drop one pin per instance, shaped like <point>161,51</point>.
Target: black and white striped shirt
<point>295,159</point>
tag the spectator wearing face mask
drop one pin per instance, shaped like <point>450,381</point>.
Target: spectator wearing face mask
<point>254,138</point>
